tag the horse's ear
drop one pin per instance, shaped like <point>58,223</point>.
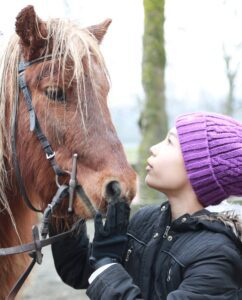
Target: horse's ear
<point>32,32</point>
<point>99,30</point>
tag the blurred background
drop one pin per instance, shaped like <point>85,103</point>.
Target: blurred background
<point>165,58</point>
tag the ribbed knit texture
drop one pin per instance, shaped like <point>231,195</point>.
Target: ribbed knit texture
<point>212,151</point>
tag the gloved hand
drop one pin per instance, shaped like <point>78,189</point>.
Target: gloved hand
<point>71,255</point>
<point>110,239</point>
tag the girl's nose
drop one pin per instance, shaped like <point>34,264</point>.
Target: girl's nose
<point>154,150</point>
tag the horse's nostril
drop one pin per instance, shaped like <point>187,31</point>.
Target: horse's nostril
<point>113,190</point>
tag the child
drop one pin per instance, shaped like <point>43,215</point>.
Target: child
<point>178,250</point>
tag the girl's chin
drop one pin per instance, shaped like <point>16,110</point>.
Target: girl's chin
<point>147,178</point>
<point>151,184</point>
<point>148,181</point>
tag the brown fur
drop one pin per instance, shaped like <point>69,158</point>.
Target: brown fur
<point>81,125</point>
<point>230,219</point>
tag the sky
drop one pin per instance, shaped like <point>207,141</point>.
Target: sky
<point>121,47</point>
<point>197,33</point>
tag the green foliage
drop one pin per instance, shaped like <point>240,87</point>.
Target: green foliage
<point>153,119</point>
<point>131,153</point>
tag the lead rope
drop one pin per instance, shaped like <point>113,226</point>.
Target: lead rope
<point>35,248</point>
<point>14,291</point>
<point>37,255</point>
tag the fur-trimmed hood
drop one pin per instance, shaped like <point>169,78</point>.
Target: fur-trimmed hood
<point>231,220</point>
<point>226,222</point>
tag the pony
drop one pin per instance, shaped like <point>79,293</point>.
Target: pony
<point>69,95</point>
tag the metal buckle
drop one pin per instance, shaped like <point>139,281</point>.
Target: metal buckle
<point>49,156</point>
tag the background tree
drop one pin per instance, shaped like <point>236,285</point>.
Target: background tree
<point>153,119</point>
<point>231,73</point>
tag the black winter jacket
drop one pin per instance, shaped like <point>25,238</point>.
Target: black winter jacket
<point>196,257</point>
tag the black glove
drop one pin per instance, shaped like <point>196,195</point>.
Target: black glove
<point>71,255</point>
<point>110,239</point>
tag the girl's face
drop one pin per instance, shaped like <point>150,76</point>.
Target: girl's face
<point>166,170</point>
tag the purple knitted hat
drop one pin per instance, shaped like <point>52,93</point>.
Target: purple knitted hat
<point>212,151</point>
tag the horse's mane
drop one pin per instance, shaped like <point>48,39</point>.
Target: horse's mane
<point>67,41</point>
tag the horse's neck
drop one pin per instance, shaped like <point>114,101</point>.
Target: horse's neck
<point>24,218</point>
<point>18,226</point>
<point>11,267</point>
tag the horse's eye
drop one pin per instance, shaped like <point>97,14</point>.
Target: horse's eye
<point>55,93</point>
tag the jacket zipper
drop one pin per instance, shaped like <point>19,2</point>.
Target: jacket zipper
<point>130,250</point>
<point>169,275</point>
<point>165,235</point>
<point>128,254</point>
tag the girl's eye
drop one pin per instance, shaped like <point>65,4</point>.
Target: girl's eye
<point>55,93</point>
<point>169,141</point>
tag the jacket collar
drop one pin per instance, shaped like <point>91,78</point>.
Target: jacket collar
<point>228,223</point>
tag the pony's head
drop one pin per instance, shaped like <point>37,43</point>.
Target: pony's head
<point>69,95</point>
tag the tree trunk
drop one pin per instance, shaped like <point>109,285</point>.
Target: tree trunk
<point>153,119</point>
<point>229,104</point>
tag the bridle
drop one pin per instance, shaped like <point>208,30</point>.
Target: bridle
<point>34,126</point>
<point>49,153</point>
<point>34,248</point>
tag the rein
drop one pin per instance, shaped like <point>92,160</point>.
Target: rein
<point>34,248</point>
